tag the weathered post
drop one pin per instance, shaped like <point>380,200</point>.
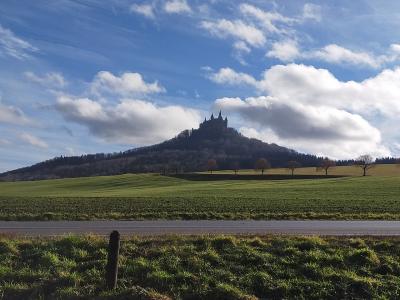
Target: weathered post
<point>112,260</point>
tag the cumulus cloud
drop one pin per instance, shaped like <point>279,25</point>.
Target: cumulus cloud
<point>49,80</point>
<point>336,54</point>
<point>315,129</point>
<point>13,115</point>
<point>313,86</point>
<point>307,84</point>
<point>305,92</point>
<point>13,46</point>
<point>131,121</point>
<point>286,50</point>
<point>143,9</point>
<point>237,30</point>
<point>128,84</point>
<point>231,77</point>
<point>177,7</point>
<point>33,140</point>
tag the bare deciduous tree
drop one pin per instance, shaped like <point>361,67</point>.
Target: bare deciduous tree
<point>262,164</point>
<point>325,165</point>
<point>211,165</point>
<point>235,166</point>
<point>293,165</point>
<point>365,162</point>
<point>174,167</point>
<point>163,170</point>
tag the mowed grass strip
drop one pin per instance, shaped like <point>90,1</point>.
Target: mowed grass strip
<point>206,267</point>
<point>151,196</point>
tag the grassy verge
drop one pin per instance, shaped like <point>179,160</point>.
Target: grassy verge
<point>160,197</point>
<point>219,267</point>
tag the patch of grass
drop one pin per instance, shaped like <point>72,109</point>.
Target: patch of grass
<point>203,267</point>
<point>150,196</point>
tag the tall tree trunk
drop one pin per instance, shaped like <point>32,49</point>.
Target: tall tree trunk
<point>365,171</point>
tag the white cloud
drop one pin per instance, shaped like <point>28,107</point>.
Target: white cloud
<point>14,46</point>
<point>4,142</point>
<point>204,9</point>
<point>48,80</point>
<point>266,19</point>
<point>311,12</point>
<point>235,29</point>
<point>314,129</point>
<point>309,85</point>
<point>336,54</point>
<point>33,140</point>
<point>206,69</point>
<point>241,48</point>
<point>256,24</point>
<point>131,121</point>
<point>143,9</point>
<point>70,151</point>
<point>177,7</point>
<point>127,84</point>
<point>317,90</point>
<point>231,77</point>
<point>13,115</point>
<point>286,50</point>
<point>395,48</point>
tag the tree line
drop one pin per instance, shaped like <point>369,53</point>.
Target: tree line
<point>364,162</point>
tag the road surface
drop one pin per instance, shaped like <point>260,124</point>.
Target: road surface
<point>161,227</point>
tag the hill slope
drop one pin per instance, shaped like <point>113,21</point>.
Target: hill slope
<point>189,151</point>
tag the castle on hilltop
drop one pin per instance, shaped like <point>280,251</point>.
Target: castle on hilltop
<point>213,128</point>
<point>215,123</point>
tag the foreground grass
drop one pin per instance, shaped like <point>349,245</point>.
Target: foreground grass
<point>158,197</point>
<point>220,267</point>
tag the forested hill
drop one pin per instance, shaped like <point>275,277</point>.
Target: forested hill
<point>189,151</point>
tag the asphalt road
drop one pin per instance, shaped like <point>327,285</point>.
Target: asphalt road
<point>162,227</point>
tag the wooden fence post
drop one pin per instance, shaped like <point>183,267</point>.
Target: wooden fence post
<point>112,260</point>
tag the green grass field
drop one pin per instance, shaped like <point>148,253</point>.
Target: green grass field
<point>220,267</point>
<point>154,196</point>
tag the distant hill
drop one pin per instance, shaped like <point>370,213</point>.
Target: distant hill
<point>189,151</point>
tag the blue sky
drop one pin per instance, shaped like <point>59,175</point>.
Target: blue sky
<point>86,76</point>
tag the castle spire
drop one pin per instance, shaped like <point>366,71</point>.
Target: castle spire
<point>212,117</point>
<point>220,116</point>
